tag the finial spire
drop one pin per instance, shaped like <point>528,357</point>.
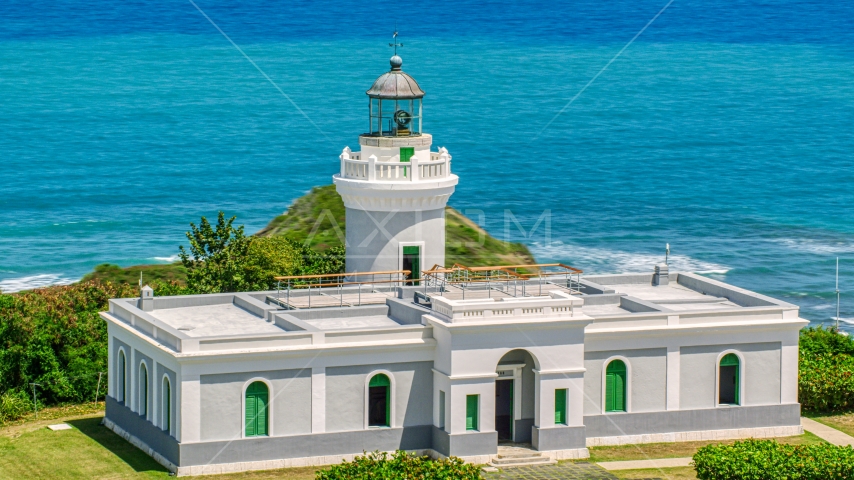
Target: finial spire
<point>395,44</point>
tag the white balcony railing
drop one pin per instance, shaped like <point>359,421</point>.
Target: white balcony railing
<point>373,170</point>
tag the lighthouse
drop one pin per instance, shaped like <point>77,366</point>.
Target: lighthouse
<point>395,188</point>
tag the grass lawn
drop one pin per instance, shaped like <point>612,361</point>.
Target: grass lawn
<point>89,451</point>
<point>678,473</point>
<point>844,422</point>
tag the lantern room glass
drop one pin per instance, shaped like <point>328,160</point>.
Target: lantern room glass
<point>395,117</point>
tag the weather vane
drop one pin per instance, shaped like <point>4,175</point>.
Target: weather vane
<point>395,44</point>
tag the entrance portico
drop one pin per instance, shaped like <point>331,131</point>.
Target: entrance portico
<point>509,370</point>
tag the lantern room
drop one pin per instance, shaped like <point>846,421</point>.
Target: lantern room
<point>395,103</point>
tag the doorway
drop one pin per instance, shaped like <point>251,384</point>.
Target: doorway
<point>412,262</point>
<point>504,410</point>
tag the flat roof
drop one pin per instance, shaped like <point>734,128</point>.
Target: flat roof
<point>234,317</point>
<point>214,320</point>
<point>347,323</point>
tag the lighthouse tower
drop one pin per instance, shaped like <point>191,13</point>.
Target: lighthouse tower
<point>395,189</point>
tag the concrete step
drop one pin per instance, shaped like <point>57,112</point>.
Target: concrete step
<point>518,463</point>
<point>519,455</point>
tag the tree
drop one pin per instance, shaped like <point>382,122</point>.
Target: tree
<point>218,258</point>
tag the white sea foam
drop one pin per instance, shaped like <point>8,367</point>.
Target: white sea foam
<point>11,285</point>
<point>600,260</point>
<point>169,259</point>
<point>813,246</point>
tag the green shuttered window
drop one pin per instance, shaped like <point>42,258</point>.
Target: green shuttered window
<point>257,400</point>
<point>615,387</point>
<point>560,407</point>
<point>167,406</point>
<point>143,390</point>
<point>122,378</point>
<point>471,411</point>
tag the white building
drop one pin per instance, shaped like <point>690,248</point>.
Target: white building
<point>451,364</point>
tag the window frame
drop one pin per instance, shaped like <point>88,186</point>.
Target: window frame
<point>166,418</point>
<point>628,385</point>
<point>121,381</point>
<point>476,418</point>
<point>741,383</point>
<point>391,398</point>
<point>269,407</point>
<point>142,401</point>
<point>565,410</point>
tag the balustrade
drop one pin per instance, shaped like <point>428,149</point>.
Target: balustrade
<point>371,169</point>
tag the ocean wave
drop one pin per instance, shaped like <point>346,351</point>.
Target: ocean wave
<point>169,259</point>
<point>814,246</point>
<point>11,285</point>
<point>600,260</point>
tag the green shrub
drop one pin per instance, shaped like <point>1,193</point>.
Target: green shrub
<point>55,337</point>
<point>826,383</point>
<point>825,370</point>
<point>769,460</point>
<point>821,341</point>
<point>14,404</point>
<point>400,466</point>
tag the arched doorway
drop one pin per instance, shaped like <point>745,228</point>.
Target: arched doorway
<point>515,397</point>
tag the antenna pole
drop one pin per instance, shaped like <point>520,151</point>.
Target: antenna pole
<point>35,404</point>
<point>837,294</point>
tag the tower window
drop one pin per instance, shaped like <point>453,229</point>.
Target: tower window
<point>379,401</point>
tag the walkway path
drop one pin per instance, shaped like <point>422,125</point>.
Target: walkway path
<point>644,464</point>
<point>563,471</point>
<point>826,433</point>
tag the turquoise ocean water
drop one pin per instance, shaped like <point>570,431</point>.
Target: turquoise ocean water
<point>726,129</point>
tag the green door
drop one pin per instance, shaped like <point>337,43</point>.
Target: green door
<point>406,153</point>
<point>257,398</point>
<point>412,262</point>
<point>615,387</point>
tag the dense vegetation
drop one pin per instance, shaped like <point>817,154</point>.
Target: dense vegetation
<point>769,460</point>
<point>53,337</point>
<point>317,219</point>
<point>400,466</point>
<point>825,370</point>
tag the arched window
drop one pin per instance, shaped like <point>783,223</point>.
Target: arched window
<point>257,418</point>
<point>615,387</point>
<point>728,380</point>
<point>122,383</point>
<point>379,401</point>
<point>167,405</point>
<point>143,390</point>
